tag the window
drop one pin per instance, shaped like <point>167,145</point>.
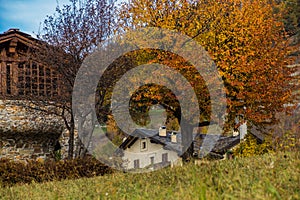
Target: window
<point>41,71</point>
<point>143,145</point>
<point>152,160</point>
<point>8,79</point>
<point>136,164</point>
<point>165,157</point>
<point>27,70</point>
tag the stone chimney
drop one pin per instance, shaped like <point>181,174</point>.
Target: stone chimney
<point>162,132</point>
<point>243,130</point>
<point>173,137</point>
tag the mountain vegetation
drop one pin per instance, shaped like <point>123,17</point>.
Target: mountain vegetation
<point>272,176</point>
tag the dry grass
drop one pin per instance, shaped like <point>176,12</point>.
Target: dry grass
<point>274,176</point>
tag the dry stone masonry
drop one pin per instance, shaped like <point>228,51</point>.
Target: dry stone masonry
<point>27,133</point>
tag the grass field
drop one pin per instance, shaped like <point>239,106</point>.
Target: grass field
<point>262,177</point>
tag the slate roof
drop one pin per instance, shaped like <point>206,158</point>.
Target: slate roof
<point>154,138</point>
<point>220,145</point>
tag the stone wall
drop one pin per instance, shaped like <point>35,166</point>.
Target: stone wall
<point>27,133</point>
<point>26,148</point>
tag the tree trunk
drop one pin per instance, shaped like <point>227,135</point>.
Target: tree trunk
<point>71,138</point>
<point>86,125</point>
<point>187,140</point>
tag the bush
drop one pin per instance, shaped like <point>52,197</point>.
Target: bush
<point>289,141</point>
<point>17,172</point>
<point>251,146</point>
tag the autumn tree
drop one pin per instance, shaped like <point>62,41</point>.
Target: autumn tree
<point>70,35</point>
<point>247,41</point>
<point>291,17</point>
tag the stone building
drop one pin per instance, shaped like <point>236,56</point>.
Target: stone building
<point>26,133</point>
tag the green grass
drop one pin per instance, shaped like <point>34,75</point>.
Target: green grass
<point>274,176</point>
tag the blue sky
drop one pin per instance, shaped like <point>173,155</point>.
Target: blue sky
<point>27,15</point>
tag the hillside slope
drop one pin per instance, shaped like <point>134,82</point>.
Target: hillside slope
<point>265,177</point>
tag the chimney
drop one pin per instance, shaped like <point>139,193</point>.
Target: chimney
<point>243,130</point>
<point>162,132</point>
<point>173,137</point>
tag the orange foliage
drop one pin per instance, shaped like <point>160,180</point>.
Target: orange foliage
<point>245,38</point>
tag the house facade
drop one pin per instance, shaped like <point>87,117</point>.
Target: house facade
<point>149,149</point>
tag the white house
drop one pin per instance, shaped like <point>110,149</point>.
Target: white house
<point>150,149</point>
<point>153,149</point>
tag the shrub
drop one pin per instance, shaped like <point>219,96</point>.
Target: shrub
<point>289,141</point>
<point>17,172</point>
<point>251,146</point>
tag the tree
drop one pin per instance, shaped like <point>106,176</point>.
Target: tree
<point>291,17</point>
<point>74,31</point>
<point>247,41</point>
